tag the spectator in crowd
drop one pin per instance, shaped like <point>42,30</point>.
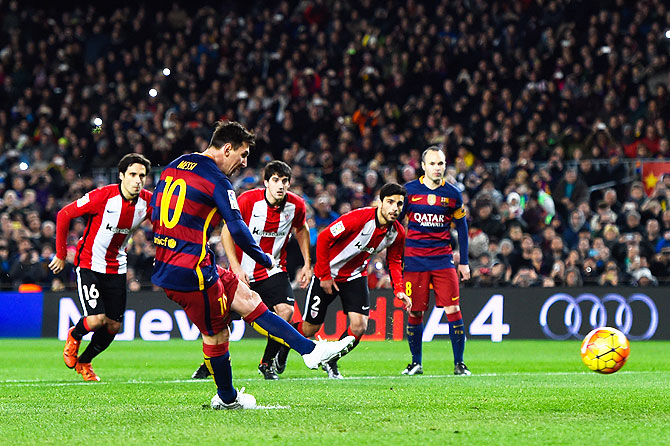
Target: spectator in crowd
<point>317,93</point>
<point>569,192</point>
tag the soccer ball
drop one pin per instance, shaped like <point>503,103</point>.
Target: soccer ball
<point>605,350</point>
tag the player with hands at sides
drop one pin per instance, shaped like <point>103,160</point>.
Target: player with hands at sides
<point>432,206</point>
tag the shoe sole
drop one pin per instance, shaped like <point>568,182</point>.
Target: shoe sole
<point>70,366</point>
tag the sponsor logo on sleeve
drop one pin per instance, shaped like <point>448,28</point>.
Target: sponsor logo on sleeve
<point>233,200</point>
<point>83,200</point>
<point>337,229</point>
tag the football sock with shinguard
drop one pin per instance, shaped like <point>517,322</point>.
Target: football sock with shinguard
<point>414,338</point>
<point>81,329</point>
<point>274,327</point>
<point>217,359</point>
<point>99,342</point>
<point>457,335</point>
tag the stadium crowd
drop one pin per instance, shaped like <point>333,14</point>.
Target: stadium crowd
<point>536,104</point>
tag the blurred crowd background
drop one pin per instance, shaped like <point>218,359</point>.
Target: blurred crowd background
<point>546,109</point>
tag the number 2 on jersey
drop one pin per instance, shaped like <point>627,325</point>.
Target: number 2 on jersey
<point>168,191</point>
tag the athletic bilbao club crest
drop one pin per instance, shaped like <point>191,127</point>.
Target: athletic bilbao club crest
<point>431,199</point>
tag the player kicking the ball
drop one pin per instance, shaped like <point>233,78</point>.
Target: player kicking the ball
<point>271,213</point>
<point>192,197</point>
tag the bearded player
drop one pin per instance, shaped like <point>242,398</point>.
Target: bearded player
<point>343,251</point>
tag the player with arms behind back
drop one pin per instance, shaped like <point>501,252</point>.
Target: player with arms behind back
<point>114,212</point>
<point>432,205</point>
<point>270,213</point>
<point>343,251</point>
<point>192,197</point>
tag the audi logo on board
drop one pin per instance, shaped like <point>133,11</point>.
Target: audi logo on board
<point>588,311</point>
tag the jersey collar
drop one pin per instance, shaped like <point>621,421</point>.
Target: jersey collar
<point>126,199</point>
<point>422,182</point>
<point>279,206</point>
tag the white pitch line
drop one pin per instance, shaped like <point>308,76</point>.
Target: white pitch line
<point>43,383</point>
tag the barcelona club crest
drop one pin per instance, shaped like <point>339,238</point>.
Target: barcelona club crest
<point>432,199</point>
<point>444,201</point>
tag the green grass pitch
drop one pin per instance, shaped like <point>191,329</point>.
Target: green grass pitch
<point>521,392</point>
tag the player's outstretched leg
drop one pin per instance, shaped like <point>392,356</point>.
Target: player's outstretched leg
<point>282,356</point>
<point>313,353</point>
<point>414,339</point>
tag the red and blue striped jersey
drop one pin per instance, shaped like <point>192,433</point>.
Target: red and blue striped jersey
<point>429,215</point>
<point>192,197</point>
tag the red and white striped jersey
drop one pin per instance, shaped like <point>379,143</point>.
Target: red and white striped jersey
<point>111,221</point>
<point>344,248</point>
<point>270,227</point>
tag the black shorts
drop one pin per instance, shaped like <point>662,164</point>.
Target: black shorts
<point>274,290</point>
<point>102,293</point>
<point>354,295</point>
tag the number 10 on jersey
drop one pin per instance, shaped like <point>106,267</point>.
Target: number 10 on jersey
<point>168,191</point>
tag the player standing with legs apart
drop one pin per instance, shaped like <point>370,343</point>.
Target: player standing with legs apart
<point>343,251</point>
<point>432,205</point>
<point>270,214</point>
<point>114,212</point>
<point>192,197</point>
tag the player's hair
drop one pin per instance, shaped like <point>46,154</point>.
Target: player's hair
<point>430,149</point>
<point>133,158</point>
<point>277,167</point>
<point>391,189</point>
<point>231,132</point>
